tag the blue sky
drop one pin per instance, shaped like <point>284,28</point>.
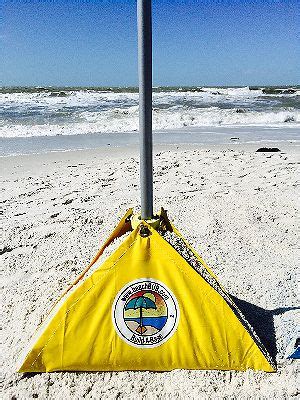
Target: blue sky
<point>195,42</point>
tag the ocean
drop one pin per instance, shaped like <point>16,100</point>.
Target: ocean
<point>100,114</point>
<point>156,322</point>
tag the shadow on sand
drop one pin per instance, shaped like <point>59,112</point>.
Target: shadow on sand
<point>262,322</point>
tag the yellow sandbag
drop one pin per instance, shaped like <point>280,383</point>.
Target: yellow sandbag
<point>145,308</point>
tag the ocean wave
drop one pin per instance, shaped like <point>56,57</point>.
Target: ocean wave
<point>120,120</point>
<point>69,111</point>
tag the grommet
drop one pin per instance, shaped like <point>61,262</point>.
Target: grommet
<point>144,231</point>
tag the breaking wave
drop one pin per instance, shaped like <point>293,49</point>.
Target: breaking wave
<point>27,112</point>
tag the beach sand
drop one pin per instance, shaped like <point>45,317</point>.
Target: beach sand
<point>236,207</point>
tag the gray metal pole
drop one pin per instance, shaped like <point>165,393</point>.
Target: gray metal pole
<point>144,18</point>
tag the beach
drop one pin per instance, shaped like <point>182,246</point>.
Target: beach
<point>107,111</point>
<point>236,207</point>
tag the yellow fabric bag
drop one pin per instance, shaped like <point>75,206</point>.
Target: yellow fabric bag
<point>145,308</point>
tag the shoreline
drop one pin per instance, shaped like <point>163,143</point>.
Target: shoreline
<point>204,136</point>
<point>32,161</point>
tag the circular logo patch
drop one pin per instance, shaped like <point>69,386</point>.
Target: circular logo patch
<point>145,313</point>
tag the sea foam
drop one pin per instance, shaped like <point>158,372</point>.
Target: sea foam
<point>63,111</point>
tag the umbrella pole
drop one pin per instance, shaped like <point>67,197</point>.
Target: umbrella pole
<point>144,19</point>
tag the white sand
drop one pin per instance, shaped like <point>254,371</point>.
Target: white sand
<point>236,207</point>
